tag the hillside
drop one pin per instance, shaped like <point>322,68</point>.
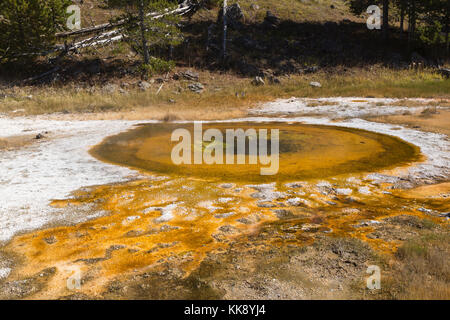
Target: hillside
<point>306,41</point>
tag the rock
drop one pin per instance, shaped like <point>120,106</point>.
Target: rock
<point>144,85</point>
<point>417,58</point>
<point>283,214</point>
<point>4,272</point>
<point>367,223</point>
<point>224,200</point>
<point>262,204</point>
<point>130,219</point>
<point>234,12</point>
<point>196,87</point>
<point>425,210</point>
<point>312,69</point>
<point>166,228</point>
<point>268,195</point>
<point>133,233</point>
<point>344,191</point>
<point>50,240</point>
<point>39,136</point>
<point>445,72</point>
<point>224,215</point>
<point>227,229</point>
<point>258,81</point>
<point>226,185</point>
<point>269,76</point>
<point>271,20</point>
<point>90,90</point>
<point>235,16</point>
<point>294,185</point>
<point>190,75</point>
<point>249,220</point>
<point>110,88</point>
<point>364,190</point>
<point>315,84</point>
<point>429,111</point>
<point>274,81</point>
<point>298,202</point>
<point>310,227</point>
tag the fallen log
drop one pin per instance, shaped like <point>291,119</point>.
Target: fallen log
<point>105,38</point>
<point>188,6</point>
<point>43,75</point>
<point>184,7</point>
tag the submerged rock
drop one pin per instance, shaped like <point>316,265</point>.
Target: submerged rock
<point>294,185</point>
<point>262,204</point>
<point>344,191</point>
<point>283,214</point>
<point>50,240</point>
<point>367,223</point>
<point>226,185</point>
<point>296,202</point>
<point>224,215</point>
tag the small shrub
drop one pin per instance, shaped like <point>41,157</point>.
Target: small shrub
<point>157,66</point>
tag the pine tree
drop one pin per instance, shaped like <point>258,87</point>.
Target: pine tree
<point>144,33</point>
<point>28,27</point>
<point>358,7</point>
<point>435,18</point>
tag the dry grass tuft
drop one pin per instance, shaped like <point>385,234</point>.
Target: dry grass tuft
<point>423,269</point>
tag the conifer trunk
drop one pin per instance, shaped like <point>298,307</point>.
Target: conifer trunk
<point>385,20</point>
<point>142,27</point>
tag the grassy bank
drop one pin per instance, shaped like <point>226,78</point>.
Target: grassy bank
<point>225,95</point>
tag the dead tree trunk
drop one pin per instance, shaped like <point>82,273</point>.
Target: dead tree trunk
<point>225,27</point>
